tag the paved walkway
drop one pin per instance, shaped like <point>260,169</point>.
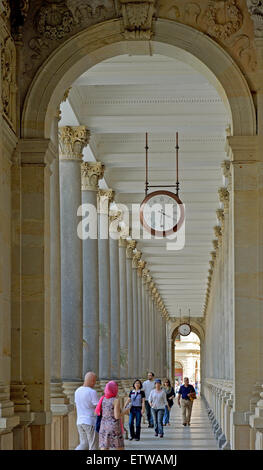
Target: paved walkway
<point>198,436</point>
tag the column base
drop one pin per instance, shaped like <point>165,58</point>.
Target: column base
<point>22,432</point>
<point>41,430</point>
<point>69,389</point>
<point>8,420</point>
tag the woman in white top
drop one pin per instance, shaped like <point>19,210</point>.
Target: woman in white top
<point>158,401</point>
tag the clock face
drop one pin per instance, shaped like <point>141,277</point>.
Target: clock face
<point>162,213</point>
<point>184,329</point>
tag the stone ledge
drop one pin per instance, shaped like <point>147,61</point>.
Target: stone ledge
<point>61,409</point>
<point>9,422</point>
<point>42,417</point>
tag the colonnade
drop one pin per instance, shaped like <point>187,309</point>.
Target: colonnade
<point>231,368</point>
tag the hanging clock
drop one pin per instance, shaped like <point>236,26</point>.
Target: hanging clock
<point>184,329</point>
<point>162,213</point>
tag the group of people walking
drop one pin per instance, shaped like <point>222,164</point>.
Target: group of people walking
<point>99,421</point>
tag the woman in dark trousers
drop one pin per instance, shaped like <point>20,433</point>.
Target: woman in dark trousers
<point>170,394</point>
<point>137,400</point>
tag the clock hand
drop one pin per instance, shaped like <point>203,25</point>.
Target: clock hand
<point>165,214</point>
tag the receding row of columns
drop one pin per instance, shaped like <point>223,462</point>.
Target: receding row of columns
<point>111,313</point>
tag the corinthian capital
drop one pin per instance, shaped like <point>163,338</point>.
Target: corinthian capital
<point>224,197</point>
<point>105,196</point>
<point>72,140</point>
<point>225,165</point>
<point>135,259</point>
<point>91,173</point>
<point>255,8</point>
<point>141,265</point>
<point>131,245</point>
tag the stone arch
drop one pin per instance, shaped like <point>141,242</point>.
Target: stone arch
<point>105,40</point>
<point>197,328</point>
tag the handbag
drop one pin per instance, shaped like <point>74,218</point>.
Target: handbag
<point>192,396</point>
<point>98,421</point>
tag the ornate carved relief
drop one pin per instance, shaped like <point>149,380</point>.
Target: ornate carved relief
<point>223,19</point>
<point>137,18</point>
<point>8,73</point>
<point>72,140</point>
<point>54,20</point>
<point>91,173</point>
<point>255,8</point>
<point>5,10</point>
<point>191,13</point>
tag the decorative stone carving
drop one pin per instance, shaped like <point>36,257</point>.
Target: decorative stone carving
<point>131,245</point>
<point>255,8</point>
<point>218,232</point>
<point>135,259</point>
<point>137,18</point>
<point>224,197</point>
<point>122,242</point>
<point>105,197</point>
<point>225,165</point>
<point>8,74</point>
<point>72,140</point>
<point>215,244</point>
<point>191,13</point>
<point>223,19</point>
<point>145,273</point>
<point>91,173</point>
<point>221,217</point>
<point>141,265</point>
<point>54,20</point>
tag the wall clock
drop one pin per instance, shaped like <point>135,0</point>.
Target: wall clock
<point>162,213</point>
<point>184,329</point>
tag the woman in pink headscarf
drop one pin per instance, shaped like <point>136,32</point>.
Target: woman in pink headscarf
<point>110,434</point>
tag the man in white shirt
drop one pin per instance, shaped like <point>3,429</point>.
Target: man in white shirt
<point>86,400</point>
<point>148,386</point>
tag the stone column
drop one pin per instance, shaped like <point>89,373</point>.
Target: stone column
<point>10,284</point>
<point>135,260</point>
<point>104,199</point>
<point>145,323</point>
<point>123,310</point>
<point>247,163</point>
<point>149,322</point>
<point>60,406</point>
<point>72,140</point>
<point>141,326</point>
<point>129,254</point>
<point>36,157</point>
<point>91,173</point>
<point>115,295</point>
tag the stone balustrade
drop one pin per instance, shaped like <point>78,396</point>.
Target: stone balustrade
<point>218,394</point>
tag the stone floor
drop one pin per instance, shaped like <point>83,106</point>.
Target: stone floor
<point>199,436</point>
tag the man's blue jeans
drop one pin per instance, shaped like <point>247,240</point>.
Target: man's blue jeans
<point>166,418</point>
<point>135,413</point>
<point>149,413</point>
<point>158,420</point>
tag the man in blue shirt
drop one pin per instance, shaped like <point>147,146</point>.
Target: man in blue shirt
<point>184,395</point>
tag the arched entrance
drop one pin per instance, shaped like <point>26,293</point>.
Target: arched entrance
<point>105,40</point>
<point>198,330</point>
<point>82,52</point>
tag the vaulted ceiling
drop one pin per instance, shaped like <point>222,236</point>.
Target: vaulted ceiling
<point>122,98</point>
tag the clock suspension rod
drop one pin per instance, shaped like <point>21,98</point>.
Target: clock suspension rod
<point>177,167</point>
<point>146,164</point>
